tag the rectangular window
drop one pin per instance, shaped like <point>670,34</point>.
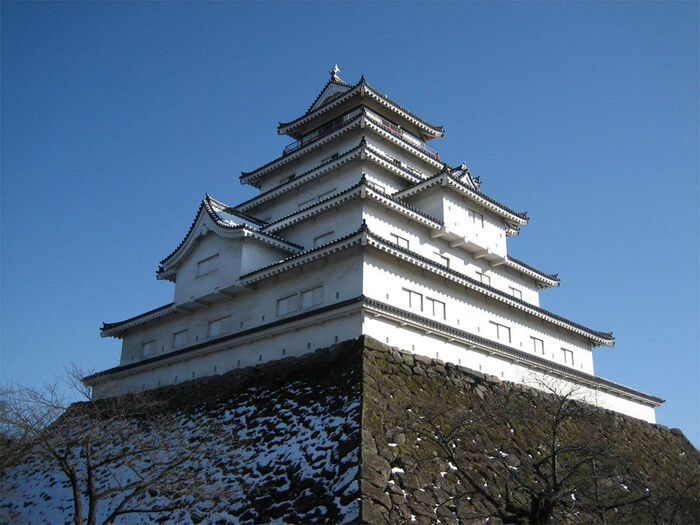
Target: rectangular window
<point>568,356</point>
<point>445,261</point>
<point>311,297</point>
<point>148,348</point>
<point>208,265</point>
<point>415,300</point>
<point>537,345</point>
<point>287,305</point>
<point>477,218</point>
<point>435,308</point>
<point>502,332</point>
<point>216,327</point>
<point>515,292</point>
<point>323,238</point>
<point>485,279</point>
<point>403,243</point>
<point>179,338</point>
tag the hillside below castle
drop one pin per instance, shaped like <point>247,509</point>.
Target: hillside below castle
<point>361,432</point>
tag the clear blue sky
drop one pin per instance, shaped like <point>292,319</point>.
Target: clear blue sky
<point>118,117</point>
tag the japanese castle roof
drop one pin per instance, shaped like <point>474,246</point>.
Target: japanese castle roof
<point>221,216</point>
<point>365,236</point>
<point>347,91</point>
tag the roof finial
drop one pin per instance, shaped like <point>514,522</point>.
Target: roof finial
<point>334,72</point>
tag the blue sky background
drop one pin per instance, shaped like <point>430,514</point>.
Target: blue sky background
<point>118,117</point>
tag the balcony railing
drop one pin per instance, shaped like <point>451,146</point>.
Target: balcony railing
<point>397,132</point>
<point>376,119</point>
<point>322,132</point>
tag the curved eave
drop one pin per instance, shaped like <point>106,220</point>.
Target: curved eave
<point>363,89</point>
<point>507,352</point>
<point>546,279</point>
<point>365,237</point>
<point>362,121</point>
<point>210,221</point>
<point>118,329</point>
<point>248,177</point>
<point>597,337</point>
<point>361,151</point>
<point>514,218</point>
<point>361,190</point>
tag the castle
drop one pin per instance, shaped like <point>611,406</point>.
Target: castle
<point>359,229</point>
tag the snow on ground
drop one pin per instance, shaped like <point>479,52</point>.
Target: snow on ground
<point>278,455</point>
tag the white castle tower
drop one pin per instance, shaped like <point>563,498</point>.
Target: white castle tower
<point>359,228</point>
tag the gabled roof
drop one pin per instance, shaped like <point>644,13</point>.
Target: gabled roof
<point>445,178</point>
<point>362,88</point>
<point>334,87</point>
<point>214,214</point>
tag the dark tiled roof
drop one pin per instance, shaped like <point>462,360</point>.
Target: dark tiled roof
<point>552,276</point>
<point>363,181</point>
<point>302,175</point>
<point>245,174</point>
<point>444,172</point>
<point>207,205</point>
<point>602,335</point>
<point>333,80</point>
<point>305,253</point>
<point>510,350</point>
<point>364,83</point>
<point>108,326</point>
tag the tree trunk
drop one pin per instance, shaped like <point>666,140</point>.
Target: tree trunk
<point>540,511</point>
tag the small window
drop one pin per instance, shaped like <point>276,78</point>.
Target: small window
<point>292,177</point>
<point>442,259</point>
<point>415,300</point>
<point>537,345</point>
<point>329,158</point>
<point>312,297</point>
<point>485,279</point>
<point>403,243</point>
<point>326,194</point>
<point>287,305</point>
<point>208,265</point>
<point>305,203</point>
<point>502,332</point>
<point>148,348</point>
<point>179,338</point>
<point>568,356</point>
<point>216,327</point>
<point>323,238</point>
<point>477,218</point>
<point>515,292</point>
<point>435,308</point>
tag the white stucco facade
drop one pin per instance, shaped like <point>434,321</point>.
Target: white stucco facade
<point>359,228</point>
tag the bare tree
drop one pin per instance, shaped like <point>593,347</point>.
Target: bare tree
<point>527,464</point>
<point>126,454</point>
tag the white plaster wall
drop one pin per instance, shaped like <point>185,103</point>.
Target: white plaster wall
<point>384,180</point>
<point>407,158</point>
<point>434,346</point>
<point>341,220</point>
<point>306,161</point>
<point>385,279</point>
<point>189,286</point>
<point>286,341</point>
<point>341,280</point>
<point>339,179</point>
<point>457,218</point>
<point>384,222</point>
<point>236,256</point>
